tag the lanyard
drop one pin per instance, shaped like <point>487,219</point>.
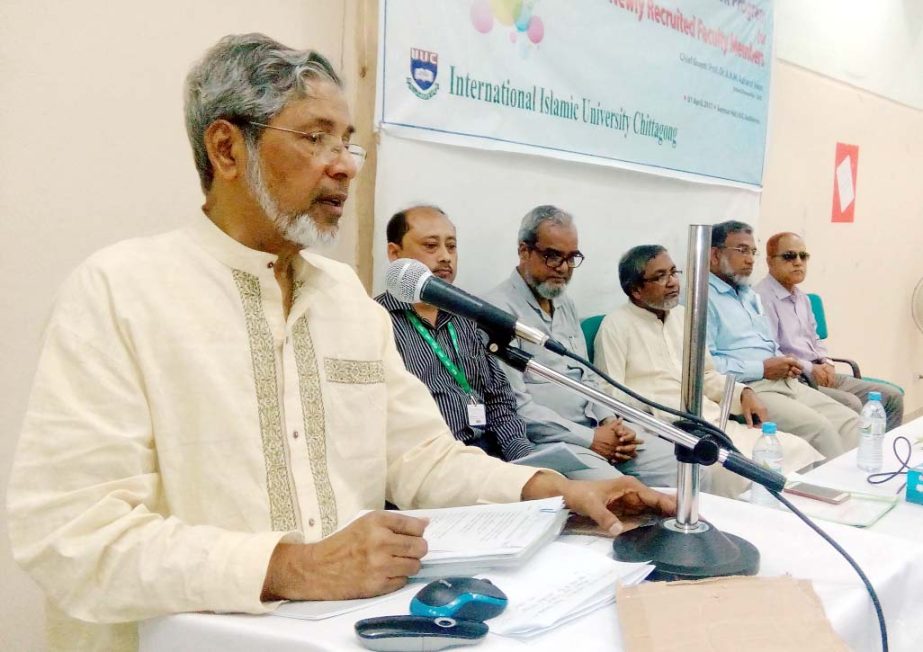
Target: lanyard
<point>457,373</point>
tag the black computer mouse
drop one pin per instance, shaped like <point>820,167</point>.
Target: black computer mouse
<point>459,597</point>
<point>401,633</point>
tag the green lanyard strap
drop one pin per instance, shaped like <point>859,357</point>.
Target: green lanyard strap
<point>457,373</point>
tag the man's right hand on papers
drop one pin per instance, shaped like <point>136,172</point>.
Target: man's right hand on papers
<point>373,555</point>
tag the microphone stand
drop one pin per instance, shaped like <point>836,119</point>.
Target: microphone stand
<point>676,551</point>
<point>683,547</point>
<point>687,547</point>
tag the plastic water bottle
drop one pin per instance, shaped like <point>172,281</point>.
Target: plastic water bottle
<point>871,434</point>
<point>767,453</point>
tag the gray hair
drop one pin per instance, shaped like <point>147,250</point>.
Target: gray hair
<point>721,231</point>
<point>528,228</point>
<point>244,78</point>
<point>632,264</point>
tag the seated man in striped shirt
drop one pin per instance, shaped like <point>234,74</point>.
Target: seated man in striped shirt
<point>446,352</point>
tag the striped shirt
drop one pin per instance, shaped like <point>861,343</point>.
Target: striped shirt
<point>489,385</point>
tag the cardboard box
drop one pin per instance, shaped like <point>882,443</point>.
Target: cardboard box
<point>725,614</point>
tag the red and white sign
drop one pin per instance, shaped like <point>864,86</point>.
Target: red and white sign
<point>844,182</point>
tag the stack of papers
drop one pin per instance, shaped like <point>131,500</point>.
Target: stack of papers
<point>462,541</point>
<point>468,540</point>
<point>560,583</point>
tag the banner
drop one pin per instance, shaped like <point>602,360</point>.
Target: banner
<point>675,88</point>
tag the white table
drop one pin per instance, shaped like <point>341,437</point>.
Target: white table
<point>906,519</point>
<point>894,565</point>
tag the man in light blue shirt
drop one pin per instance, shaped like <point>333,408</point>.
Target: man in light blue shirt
<point>535,293</point>
<point>741,343</point>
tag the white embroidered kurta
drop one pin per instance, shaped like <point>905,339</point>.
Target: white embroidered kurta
<point>638,350</point>
<point>180,426</point>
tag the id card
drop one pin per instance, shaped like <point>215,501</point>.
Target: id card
<point>477,414</point>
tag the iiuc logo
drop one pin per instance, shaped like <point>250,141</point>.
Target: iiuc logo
<point>424,66</point>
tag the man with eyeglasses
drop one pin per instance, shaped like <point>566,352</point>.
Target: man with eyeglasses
<point>741,342</point>
<point>640,344</point>
<point>535,293</point>
<point>792,323</point>
<point>215,406</point>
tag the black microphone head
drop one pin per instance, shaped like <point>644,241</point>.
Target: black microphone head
<point>405,279</point>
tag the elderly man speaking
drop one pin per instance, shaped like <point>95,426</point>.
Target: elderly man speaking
<point>214,405</point>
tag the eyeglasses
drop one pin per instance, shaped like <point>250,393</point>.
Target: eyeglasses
<point>327,147</point>
<point>664,277</point>
<point>792,255</point>
<point>743,250</point>
<point>554,258</point>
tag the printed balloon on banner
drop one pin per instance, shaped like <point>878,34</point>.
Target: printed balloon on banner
<point>506,11</point>
<point>482,16</point>
<point>522,20</point>
<point>536,29</point>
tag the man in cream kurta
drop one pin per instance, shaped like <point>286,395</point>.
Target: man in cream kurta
<point>207,424</point>
<point>213,406</point>
<point>640,344</point>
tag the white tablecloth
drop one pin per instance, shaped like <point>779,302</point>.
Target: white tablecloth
<point>906,519</point>
<point>786,545</point>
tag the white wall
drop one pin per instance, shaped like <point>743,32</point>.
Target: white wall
<point>851,71</point>
<point>94,150</point>
<point>866,270</point>
<point>874,45</point>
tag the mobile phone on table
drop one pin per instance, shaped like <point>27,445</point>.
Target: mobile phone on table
<point>826,494</point>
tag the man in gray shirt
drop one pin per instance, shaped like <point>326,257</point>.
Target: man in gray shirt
<point>535,293</point>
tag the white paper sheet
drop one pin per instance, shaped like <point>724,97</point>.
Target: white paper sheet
<point>560,583</point>
<point>321,609</point>
<point>844,183</point>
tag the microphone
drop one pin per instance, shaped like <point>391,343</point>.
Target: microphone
<point>410,281</point>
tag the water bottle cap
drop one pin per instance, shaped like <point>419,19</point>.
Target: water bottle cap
<point>874,396</point>
<point>769,428</point>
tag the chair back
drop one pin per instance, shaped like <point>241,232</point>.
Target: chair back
<point>817,307</point>
<point>590,326</point>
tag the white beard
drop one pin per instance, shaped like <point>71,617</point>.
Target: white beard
<point>739,280</point>
<point>550,291</point>
<point>665,305</point>
<point>545,289</point>
<point>298,229</point>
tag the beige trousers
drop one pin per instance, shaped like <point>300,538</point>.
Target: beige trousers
<point>829,426</point>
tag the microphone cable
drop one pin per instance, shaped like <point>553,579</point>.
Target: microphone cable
<point>706,425</point>
<point>884,476</point>
<point>882,627</point>
<point>879,613</point>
